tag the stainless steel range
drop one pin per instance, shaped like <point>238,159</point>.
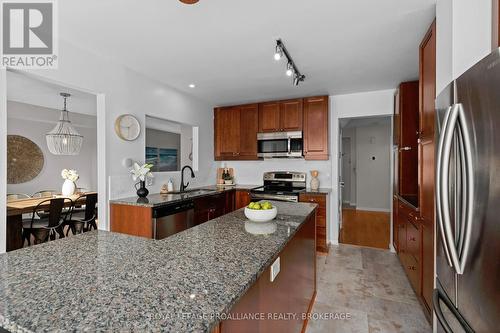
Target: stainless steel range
<point>281,186</point>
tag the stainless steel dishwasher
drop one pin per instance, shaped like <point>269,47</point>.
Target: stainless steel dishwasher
<point>173,218</point>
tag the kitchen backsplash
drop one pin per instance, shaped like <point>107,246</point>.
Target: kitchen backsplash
<point>250,172</point>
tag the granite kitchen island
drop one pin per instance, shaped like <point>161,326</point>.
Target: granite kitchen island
<point>189,282</point>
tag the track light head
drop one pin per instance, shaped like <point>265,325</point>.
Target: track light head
<point>297,79</point>
<point>278,53</point>
<point>289,69</point>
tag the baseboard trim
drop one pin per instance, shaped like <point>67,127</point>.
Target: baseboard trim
<point>385,210</point>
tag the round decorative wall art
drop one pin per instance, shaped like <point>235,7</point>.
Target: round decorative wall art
<point>24,159</point>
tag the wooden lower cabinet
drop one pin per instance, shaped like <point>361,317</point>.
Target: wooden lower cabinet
<point>209,207</point>
<point>427,264</point>
<point>292,291</point>
<point>321,235</point>
<point>242,199</point>
<point>409,243</point>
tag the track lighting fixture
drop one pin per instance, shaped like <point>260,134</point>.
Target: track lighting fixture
<point>291,68</point>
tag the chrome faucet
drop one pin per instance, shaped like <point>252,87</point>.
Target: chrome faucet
<point>183,186</point>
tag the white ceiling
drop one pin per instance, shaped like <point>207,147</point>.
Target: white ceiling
<point>26,89</point>
<point>226,47</point>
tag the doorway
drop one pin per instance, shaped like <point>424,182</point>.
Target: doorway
<point>365,181</point>
<point>31,107</point>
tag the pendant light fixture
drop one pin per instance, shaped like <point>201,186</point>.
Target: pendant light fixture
<point>64,139</point>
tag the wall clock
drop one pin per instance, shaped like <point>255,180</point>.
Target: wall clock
<point>127,127</point>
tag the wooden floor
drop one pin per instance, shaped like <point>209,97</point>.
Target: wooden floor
<point>365,228</point>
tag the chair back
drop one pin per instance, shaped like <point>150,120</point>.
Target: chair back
<point>17,196</point>
<point>44,194</point>
<point>56,212</point>
<point>90,205</point>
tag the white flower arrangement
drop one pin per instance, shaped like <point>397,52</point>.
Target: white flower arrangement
<point>141,172</point>
<point>71,175</point>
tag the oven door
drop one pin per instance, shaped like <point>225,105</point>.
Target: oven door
<point>276,197</point>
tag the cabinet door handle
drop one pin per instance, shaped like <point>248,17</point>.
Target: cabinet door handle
<point>412,268</point>
<point>413,239</point>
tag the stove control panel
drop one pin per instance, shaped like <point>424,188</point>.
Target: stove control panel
<point>285,176</point>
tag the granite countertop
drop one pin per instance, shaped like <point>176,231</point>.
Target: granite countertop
<point>103,281</point>
<point>157,199</point>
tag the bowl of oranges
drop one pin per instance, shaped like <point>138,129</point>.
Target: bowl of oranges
<point>262,211</point>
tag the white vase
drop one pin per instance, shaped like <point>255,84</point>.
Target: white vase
<point>68,188</point>
<point>314,180</point>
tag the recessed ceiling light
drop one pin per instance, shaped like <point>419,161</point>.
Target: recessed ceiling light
<point>192,85</point>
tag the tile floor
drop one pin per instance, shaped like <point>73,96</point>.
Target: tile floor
<point>369,285</point>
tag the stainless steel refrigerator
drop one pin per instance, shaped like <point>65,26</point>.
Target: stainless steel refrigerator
<point>467,293</point>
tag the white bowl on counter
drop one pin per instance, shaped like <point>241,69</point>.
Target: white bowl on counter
<point>261,215</point>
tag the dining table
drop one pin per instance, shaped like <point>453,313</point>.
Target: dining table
<point>16,209</point>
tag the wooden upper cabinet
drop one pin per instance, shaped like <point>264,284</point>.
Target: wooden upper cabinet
<point>406,123</point>
<point>291,115</point>
<point>227,129</point>
<point>428,84</point>
<point>269,117</point>
<point>249,125</point>
<point>316,128</point>
<point>235,134</point>
<point>280,116</point>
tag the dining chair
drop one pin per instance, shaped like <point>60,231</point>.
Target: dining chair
<point>84,218</point>
<point>44,229</point>
<point>44,194</point>
<point>17,196</point>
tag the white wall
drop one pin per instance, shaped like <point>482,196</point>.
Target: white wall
<point>33,122</point>
<point>251,172</point>
<point>126,91</point>
<point>374,103</point>
<point>373,176</point>
<point>464,36</point>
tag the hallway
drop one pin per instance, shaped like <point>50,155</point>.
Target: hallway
<point>370,287</point>
<point>365,228</point>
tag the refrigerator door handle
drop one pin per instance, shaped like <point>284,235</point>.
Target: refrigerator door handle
<point>437,296</point>
<point>469,185</point>
<point>456,121</point>
<point>439,207</point>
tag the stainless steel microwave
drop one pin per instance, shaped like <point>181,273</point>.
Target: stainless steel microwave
<point>280,145</point>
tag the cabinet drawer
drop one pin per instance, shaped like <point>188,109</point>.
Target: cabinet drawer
<point>412,269</point>
<point>314,198</point>
<point>320,221</point>
<point>413,240</point>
